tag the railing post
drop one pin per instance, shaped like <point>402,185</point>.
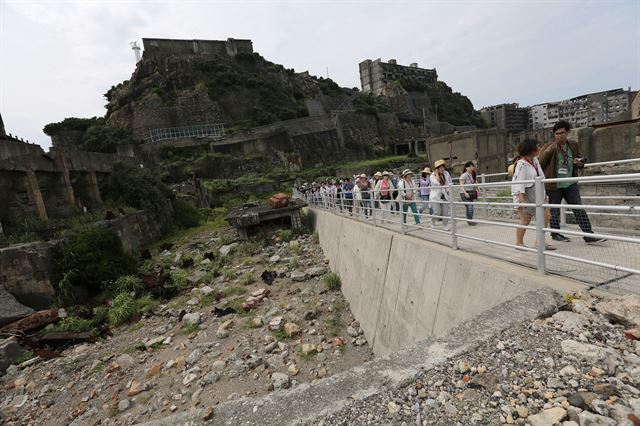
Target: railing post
<point>483,198</point>
<point>539,192</point>
<point>563,215</point>
<point>452,216</point>
<point>402,218</point>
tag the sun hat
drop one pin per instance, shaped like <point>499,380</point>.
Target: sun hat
<point>426,170</point>
<point>439,163</point>
<point>385,173</point>
<point>406,172</point>
<point>378,174</point>
<point>362,176</point>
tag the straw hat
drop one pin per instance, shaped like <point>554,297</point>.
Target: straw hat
<point>385,173</point>
<point>426,170</point>
<point>378,174</point>
<point>439,163</point>
<point>363,176</point>
<point>406,172</point>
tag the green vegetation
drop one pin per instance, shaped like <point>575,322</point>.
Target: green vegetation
<point>124,307</point>
<point>315,237</point>
<point>286,235</point>
<point>332,281</point>
<point>126,283</point>
<point>94,136</point>
<point>185,214</point>
<point>91,258</point>
<point>74,324</point>
<point>234,291</point>
<point>247,278</point>
<point>366,103</point>
<point>72,123</point>
<point>187,328</point>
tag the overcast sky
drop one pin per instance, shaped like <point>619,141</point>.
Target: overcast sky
<point>58,58</point>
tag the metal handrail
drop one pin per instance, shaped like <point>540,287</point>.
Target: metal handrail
<point>329,201</point>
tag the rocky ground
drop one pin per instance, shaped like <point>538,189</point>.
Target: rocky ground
<point>578,367</point>
<point>193,351</point>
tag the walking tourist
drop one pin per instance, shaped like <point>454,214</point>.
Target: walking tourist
<point>383,189</point>
<point>527,168</point>
<point>469,192</point>
<point>439,194</point>
<point>425,188</point>
<point>407,195</point>
<point>347,194</point>
<point>561,158</point>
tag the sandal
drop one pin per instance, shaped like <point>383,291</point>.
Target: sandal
<point>521,247</point>
<point>549,247</point>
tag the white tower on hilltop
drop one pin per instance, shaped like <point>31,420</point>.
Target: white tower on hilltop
<point>136,50</point>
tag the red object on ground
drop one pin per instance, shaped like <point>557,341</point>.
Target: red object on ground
<point>279,200</point>
<point>632,334</point>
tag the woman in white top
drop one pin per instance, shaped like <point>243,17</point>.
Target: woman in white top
<point>407,195</point>
<point>527,168</point>
<point>439,194</point>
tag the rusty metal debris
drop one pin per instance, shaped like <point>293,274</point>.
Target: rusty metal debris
<point>32,322</point>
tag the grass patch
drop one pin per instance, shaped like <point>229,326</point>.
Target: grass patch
<point>286,235</point>
<point>147,305</point>
<point>228,274</point>
<point>247,278</point>
<point>334,325</point>
<point>234,291</point>
<point>75,325</point>
<point>332,281</point>
<point>187,329</point>
<point>208,299</point>
<point>123,308</point>
<point>295,248</point>
<point>180,278</point>
<point>280,335</point>
<point>315,237</point>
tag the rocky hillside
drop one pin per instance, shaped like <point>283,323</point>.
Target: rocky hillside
<point>241,91</point>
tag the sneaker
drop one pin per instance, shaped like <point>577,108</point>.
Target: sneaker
<point>590,240</point>
<point>471,223</point>
<point>560,237</point>
<point>446,228</point>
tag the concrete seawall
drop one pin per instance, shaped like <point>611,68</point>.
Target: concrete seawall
<point>403,289</point>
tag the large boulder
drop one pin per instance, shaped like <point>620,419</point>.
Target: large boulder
<point>624,309</point>
<point>10,309</point>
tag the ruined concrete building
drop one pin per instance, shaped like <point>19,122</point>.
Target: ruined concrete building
<point>509,117</point>
<point>375,75</point>
<point>54,184</point>
<point>164,47</point>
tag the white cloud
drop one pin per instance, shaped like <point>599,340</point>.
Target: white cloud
<point>57,58</point>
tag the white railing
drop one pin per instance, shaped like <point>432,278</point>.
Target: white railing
<point>620,254</point>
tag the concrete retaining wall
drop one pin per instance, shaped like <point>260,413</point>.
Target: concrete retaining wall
<point>403,289</point>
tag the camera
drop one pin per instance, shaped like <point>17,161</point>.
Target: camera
<point>582,160</point>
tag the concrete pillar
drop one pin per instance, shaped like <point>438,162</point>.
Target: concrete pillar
<point>35,196</point>
<point>94,190</point>
<point>68,188</point>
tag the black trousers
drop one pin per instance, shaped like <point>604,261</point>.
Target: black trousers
<point>571,195</point>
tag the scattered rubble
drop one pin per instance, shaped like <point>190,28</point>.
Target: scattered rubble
<point>223,336</point>
<point>574,368</point>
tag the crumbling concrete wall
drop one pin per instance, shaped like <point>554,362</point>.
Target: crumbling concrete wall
<point>10,148</point>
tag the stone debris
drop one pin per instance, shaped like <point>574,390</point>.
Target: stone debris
<point>294,332</point>
<point>574,368</point>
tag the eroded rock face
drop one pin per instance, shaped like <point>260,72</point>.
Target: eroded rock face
<point>31,289</point>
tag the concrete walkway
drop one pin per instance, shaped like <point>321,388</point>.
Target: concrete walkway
<point>610,252</point>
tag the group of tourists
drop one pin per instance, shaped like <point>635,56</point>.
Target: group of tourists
<point>398,193</point>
